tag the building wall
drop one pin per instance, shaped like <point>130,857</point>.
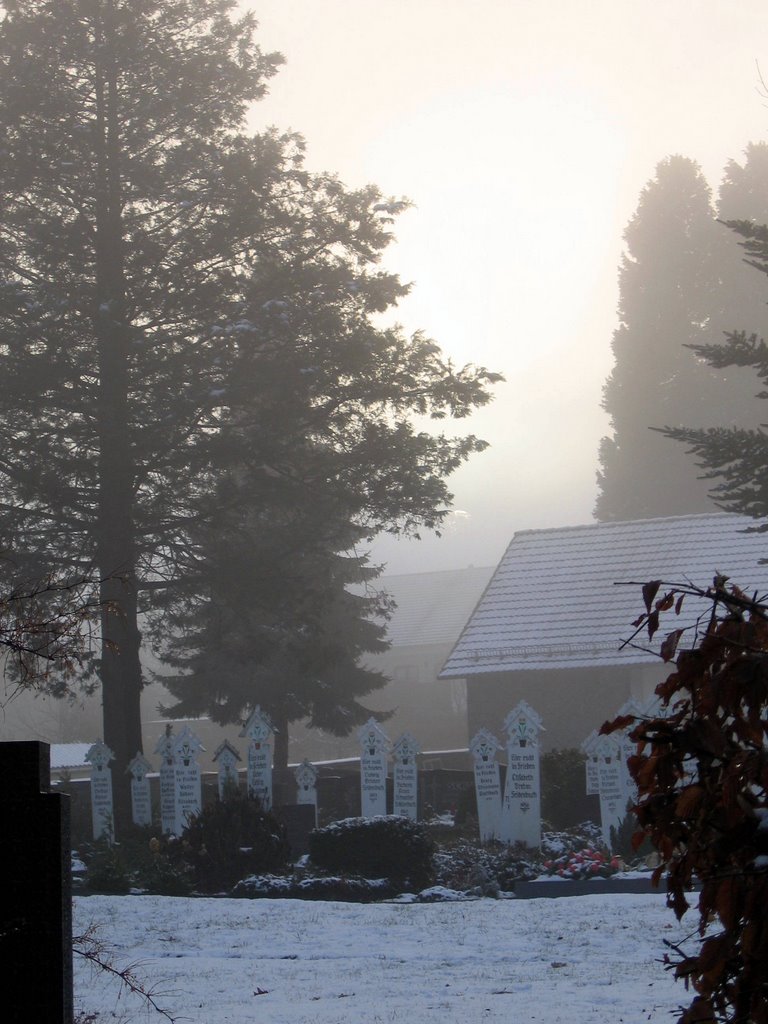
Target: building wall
<point>571,702</point>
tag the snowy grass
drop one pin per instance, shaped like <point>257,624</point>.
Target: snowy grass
<point>580,960</point>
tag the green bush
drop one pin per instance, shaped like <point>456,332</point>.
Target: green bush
<point>564,802</point>
<point>109,871</point>
<point>139,861</point>
<point>387,847</point>
<point>230,840</point>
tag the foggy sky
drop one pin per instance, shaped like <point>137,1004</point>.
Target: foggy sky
<point>523,132</point>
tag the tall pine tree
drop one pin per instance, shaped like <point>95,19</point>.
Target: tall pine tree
<point>733,457</point>
<point>159,270</point>
<point>667,277</point>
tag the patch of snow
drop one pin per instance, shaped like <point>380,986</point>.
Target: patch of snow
<point>340,963</point>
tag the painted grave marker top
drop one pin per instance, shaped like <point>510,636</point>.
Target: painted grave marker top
<point>187,746</point>
<point>305,775</point>
<point>258,728</point>
<point>484,746</point>
<point>99,754</point>
<point>139,767</point>
<point>523,726</point>
<point>164,746</point>
<point>226,755</point>
<point>405,748</point>
<point>373,739</point>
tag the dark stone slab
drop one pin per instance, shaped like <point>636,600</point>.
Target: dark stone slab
<point>36,914</point>
<point>545,889</point>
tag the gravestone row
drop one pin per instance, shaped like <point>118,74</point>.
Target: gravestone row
<point>180,777</point>
<point>510,815</point>
<point>513,816</point>
<point>375,750</point>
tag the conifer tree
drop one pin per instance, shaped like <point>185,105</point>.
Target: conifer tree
<point>160,271</point>
<point>667,276</point>
<point>733,459</point>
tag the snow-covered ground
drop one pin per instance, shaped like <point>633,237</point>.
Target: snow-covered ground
<point>580,960</point>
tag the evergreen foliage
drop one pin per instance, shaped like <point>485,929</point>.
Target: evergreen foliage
<point>186,312</point>
<point>676,294</point>
<point>228,840</point>
<point>735,458</point>
<point>387,847</point>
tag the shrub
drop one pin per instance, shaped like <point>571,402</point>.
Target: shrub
<point>108,871</point>
<point>139,861</point>
<point>387,847</point>
<point>564,802</point>
<point>229,840</point>
<point>701,770</point>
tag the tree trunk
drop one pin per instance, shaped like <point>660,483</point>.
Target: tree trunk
<point>280,757</point>
<point>120,668</point>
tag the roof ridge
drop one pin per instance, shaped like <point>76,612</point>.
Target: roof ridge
<point>633,522</point>
<point>433,572</point>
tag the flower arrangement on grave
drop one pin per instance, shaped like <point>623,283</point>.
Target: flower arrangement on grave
<point>587,863</point>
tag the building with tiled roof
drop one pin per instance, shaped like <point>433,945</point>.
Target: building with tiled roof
<point>551,624</point>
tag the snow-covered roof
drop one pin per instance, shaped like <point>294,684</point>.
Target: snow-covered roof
<point>432,607</point>
<point>69,755</point>
<point>553,600</point>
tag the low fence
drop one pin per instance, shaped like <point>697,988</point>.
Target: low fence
<point>441,790</point>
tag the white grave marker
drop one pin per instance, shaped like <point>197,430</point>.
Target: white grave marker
<point>592,764</point>
<point>405,776</point>
<point>613,798</point>
<point>374,749</point>
<point>226,757</point>
<point>628,748</point>
<point>141,797</point>
<point>521,810</point>
<point>259,731</point>
<point>164,749</point>
<point>189,801</point>
<point>487,784</point>
<point>306,785</point>
<point>102,809</point>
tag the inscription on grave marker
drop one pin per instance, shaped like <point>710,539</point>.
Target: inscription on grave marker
<point>164,749</point>
<point>521,810</point>
<point>405,776</point>
<point>102,810</point>
<point>189,801</point>
<point>374,749</point>
<point>259,731</point>
<point>141,800</point>
<point>483,748</point>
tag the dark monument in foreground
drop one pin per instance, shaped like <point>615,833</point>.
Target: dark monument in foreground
<point>36,915</point>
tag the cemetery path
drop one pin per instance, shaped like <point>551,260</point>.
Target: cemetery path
<point>591,959</point>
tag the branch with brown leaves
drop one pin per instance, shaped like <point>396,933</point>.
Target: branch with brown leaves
<point>49,628</point>
<point>701,769</point>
